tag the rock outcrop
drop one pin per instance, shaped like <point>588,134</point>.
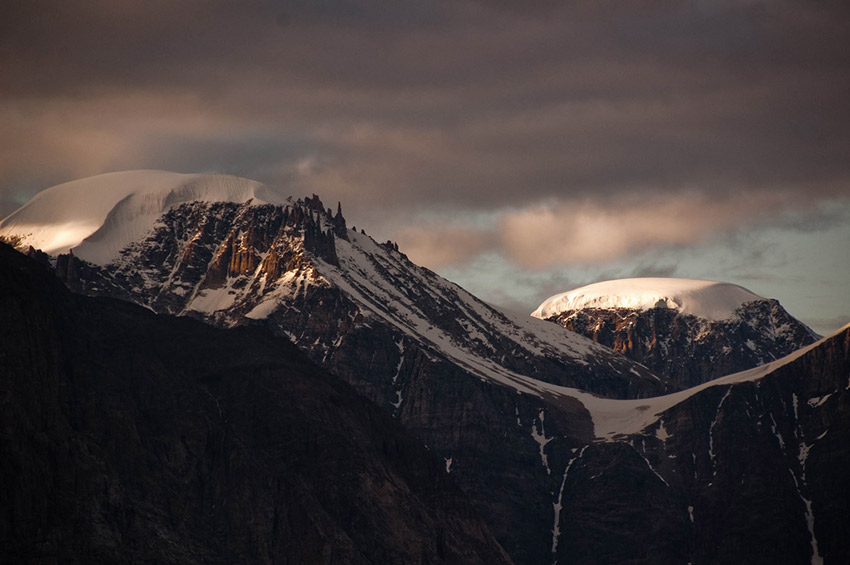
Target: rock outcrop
<point>686,350</point>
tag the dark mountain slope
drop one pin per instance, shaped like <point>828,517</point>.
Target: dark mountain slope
<point>748,472</point>
<point>126,436</point>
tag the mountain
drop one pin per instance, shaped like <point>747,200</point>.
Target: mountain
<point>99,216</point>
<point>131,437</point>
<point>686,331</point>
<point>564,447</point>
<point>214,247</point>
<point>463,376</point>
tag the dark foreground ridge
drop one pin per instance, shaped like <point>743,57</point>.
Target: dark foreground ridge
<point>131,437</point>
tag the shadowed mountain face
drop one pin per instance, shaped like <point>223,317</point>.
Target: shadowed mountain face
<point>126,436</point>
<point>753,472</point>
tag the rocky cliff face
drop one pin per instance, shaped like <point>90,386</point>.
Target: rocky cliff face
<point>131,437</point>
<point>300,271</point>
<point>686,350</point>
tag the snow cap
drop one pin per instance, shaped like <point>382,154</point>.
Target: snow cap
<point>98,216</point>
<point>704,299</point>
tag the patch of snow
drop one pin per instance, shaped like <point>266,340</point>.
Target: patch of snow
<point>704,299</point>
<point>818,400</point>
<point>541,439</point>
<point>558,504</point>
<point>661,432</point>
<point>776,432</point>
<point>212,300</point>
<point>263,309</point>
<point>817,558</point>
<point>398,400</point>
<point>448,465</point>
<point>612,418</point>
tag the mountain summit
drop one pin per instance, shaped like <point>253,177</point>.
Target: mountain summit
<point>688,331</point>
<point>98,216</point>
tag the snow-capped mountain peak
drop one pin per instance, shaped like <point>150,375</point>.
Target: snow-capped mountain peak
<point>709,300</point>
<point>234,251</point>
<point>98,216</point>
<point>687,331</point>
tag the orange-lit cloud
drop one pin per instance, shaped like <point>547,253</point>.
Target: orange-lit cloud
<point>443,246</point>
<point>576,232</point>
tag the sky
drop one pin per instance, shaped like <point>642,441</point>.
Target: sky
<point>520,149</point>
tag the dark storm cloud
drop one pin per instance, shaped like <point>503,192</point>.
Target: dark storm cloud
<point>480,105</point>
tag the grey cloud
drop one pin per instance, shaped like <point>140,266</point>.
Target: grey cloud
<point>655,270</point>
<point>826,326</point>
<point>467,105</point>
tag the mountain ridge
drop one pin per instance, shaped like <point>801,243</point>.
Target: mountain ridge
<point>503,402</point>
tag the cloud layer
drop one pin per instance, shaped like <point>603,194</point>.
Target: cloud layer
<point>585,130</point>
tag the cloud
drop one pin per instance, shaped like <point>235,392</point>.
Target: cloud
<point>592,132</point>
<point>588,231</point>
<point>479,104</point>
<point>826,326</point>
<point>443,246</point>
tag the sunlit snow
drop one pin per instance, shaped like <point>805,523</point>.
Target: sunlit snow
<point>703,299</point>
<point>99,216</point>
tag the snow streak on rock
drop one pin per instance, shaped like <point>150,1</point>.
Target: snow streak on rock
<point>397,387</point>
<point>541,439</point>
<point>803,455</point>
<point>558,505</point>
<point>648,464</point>
<point>711,432</point>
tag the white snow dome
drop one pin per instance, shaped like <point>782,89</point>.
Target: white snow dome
<point>710,300</point>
